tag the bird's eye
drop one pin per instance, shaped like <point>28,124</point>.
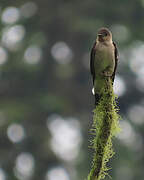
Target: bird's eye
<point>105,34</point>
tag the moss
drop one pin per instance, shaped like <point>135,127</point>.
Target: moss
<point>105,127</point>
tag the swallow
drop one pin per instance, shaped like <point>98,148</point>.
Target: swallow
<point>103,61</point>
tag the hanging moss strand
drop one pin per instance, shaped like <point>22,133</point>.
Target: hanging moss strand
<point>105,127</point>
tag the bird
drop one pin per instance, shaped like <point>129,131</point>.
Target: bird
<point>103,61</point>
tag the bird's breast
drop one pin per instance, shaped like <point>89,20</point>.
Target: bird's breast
<point>105,51</point>
<point>104,57</point>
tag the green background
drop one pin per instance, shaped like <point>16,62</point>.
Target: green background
<point>45,87</point>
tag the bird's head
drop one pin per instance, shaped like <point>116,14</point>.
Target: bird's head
<point>104,35</point>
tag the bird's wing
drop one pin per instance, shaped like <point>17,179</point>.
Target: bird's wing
<point>92,57</point>
<point>116,60</point>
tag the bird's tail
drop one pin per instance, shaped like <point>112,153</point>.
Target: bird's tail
<point>97,99</point>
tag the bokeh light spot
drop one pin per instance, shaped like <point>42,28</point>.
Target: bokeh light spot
<point>136,114</point>
<point>15,133</point>
<point>28,9</point>
<point>57,173</point>
<point>62,53</point>
<point>127,131</point>
<point>121,32</point>
<point>13,35</point>
<point>10,15</point>
<point>66,137</point>
<point>119,86</point>
<point>24,165</point>
<point>136,57</point>
<point>129,137</point>
<point>2,174</point>
<point>33,54</point>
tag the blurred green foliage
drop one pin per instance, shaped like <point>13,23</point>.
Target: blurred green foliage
<point>44,70</point>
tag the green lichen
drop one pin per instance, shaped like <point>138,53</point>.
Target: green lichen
<point>105,127</point>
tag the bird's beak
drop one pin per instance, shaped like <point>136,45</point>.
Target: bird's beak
<point>100,35</point>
